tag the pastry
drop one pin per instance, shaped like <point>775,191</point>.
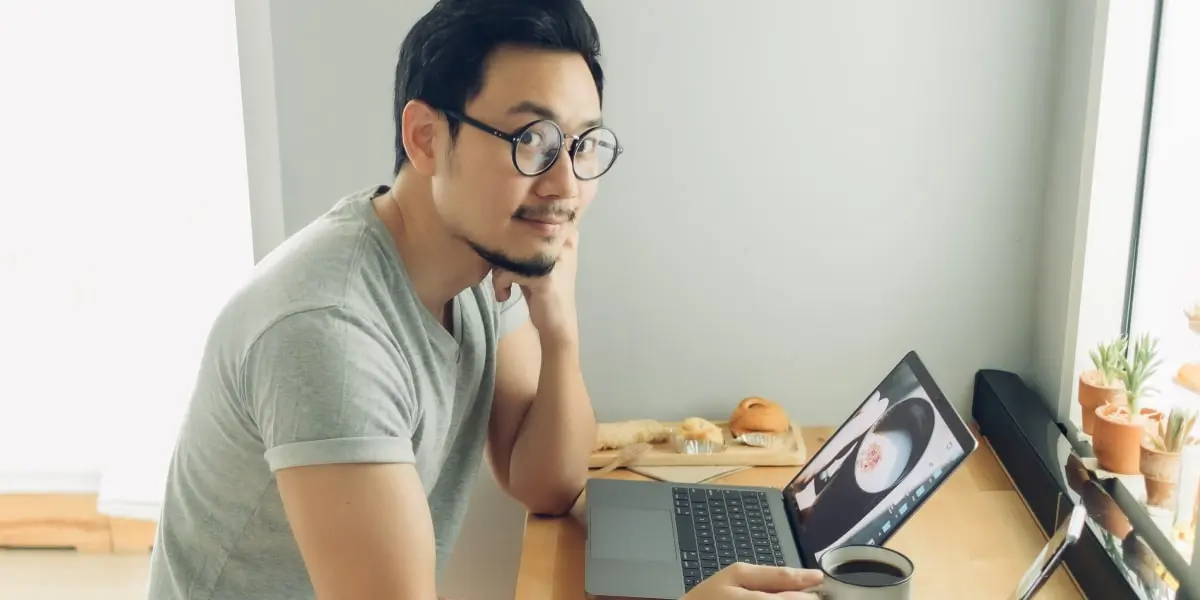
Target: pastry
<point>1189,376</point>
<point>758,415</point>
<point>612,436</point>
<point>695,428</point>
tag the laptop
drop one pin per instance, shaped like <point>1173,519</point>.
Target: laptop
<point>652,539</point>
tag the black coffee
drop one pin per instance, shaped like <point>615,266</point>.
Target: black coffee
<point>867,573</point>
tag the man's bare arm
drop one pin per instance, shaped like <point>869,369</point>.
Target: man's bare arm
<point>542,425</point>
<point>364,530</point>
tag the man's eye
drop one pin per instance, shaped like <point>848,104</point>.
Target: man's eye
<point>586,146</point>
<point>532,138</point>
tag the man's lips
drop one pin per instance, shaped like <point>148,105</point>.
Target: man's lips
<point>546,226</point>
<point>544,221</point>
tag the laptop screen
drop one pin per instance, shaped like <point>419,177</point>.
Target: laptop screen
<point>899,445</point>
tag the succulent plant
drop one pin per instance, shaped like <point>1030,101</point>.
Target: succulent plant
<point>1138,369</point>
<point>1106,357</point>
<point>1173,431</point>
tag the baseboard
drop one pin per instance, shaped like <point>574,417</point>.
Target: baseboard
<point>135,511</point>
<point>69,521</point>
<point>64,482</point>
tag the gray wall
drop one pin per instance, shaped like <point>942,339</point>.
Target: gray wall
<point>801,202</point>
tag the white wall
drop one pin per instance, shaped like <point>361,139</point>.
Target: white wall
<point>799,204</point>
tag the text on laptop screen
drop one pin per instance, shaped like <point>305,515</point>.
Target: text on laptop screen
<point>866,479</point>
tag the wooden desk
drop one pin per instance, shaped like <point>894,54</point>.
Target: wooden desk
<point>973,538</point>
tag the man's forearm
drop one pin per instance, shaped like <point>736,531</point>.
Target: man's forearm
<point>550,456</point>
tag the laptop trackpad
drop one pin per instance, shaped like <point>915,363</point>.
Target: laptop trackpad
<point>633,534</point>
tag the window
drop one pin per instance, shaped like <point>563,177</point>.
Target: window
<point>126,225</point>
<point>1142,252</point>
<point>1165,266</point>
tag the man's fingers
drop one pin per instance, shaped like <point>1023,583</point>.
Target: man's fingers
<point>502,282</point>
<point>781,596</point>
<point>761,578</point>
<point>744,594</point>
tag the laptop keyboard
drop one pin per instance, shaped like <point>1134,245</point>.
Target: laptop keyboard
<point>718,527</point>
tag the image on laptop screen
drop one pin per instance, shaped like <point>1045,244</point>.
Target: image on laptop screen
<point>865,481</point>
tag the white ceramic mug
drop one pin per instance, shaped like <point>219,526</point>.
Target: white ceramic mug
<point>883,574</point>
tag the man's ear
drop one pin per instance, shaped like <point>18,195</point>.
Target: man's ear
<point>420,126</point>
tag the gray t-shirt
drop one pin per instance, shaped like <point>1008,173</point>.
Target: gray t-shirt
<point>324,356</point>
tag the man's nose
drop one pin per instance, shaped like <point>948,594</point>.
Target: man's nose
<point>559,181</point>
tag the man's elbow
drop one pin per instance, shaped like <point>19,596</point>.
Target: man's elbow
<point>550,499</point>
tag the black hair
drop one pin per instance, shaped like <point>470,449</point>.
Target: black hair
<point>444,55</point>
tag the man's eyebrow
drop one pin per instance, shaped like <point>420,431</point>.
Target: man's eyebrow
<point>545,112</point>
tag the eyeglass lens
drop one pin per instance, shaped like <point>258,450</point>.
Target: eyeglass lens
<point>539,145</point>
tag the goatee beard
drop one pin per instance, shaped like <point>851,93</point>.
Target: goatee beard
<point>538,266</point>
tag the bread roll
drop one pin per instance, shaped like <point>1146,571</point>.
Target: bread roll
<point>758,415</point>
<point>1189,376</point>
<point>612,436</point>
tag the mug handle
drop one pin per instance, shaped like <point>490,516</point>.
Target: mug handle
<point>823,590</point>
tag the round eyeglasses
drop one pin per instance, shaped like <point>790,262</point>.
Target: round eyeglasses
<point>537,146</point>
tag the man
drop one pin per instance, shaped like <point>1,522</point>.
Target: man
<point>349,390</point>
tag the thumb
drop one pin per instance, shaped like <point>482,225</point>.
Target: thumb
<point>502,282</point>
<point>760,578</point>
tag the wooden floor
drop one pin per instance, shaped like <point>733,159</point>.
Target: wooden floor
<point>71,575</point>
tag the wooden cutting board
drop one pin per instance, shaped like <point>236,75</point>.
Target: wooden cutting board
<point>791,454</point>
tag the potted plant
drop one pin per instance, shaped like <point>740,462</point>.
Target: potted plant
<point>1102,384</point>
<point>1160,456</point>
<point>1118,429</point>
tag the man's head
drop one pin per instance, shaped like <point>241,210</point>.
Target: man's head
<point>474,75</point>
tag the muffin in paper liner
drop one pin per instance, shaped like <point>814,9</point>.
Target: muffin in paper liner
<point>684,445</point>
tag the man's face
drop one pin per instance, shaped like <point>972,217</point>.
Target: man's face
<point>516,222</point>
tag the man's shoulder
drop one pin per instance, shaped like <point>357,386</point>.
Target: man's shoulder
<point>323,256</point>
<point>317,272</point>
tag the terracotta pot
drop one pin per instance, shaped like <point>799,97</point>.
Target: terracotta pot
<point>1161,470</point>
<point>1118,442</point>
<point>1093,394</point>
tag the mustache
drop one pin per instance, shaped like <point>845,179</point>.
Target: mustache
<point>544,212</point>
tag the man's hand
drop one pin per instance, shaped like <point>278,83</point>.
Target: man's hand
<point>742,581</point>
<point>551,299</point>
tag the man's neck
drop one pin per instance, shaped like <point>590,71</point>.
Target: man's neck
<point>439,264</point>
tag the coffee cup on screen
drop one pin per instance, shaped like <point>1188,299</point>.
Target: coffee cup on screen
<point>865,573</point>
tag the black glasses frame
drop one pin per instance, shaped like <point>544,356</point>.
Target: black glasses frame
<point>514,139</point>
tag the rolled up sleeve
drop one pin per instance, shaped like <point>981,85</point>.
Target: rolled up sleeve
<point>327,386</point>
